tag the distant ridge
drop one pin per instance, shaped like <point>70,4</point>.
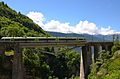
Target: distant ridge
<point>87,36</point>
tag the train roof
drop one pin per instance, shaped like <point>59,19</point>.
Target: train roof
<point>43,38</point>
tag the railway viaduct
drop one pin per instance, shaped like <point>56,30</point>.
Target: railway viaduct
<point>88,49</point>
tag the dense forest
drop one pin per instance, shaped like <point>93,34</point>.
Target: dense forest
<point>37,64</point>
<point>17,24</point>
<point>107,65</point>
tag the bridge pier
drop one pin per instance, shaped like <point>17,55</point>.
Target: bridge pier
<point>2,53</point>
<point>82,63</point>
<point>17,67</point>
<point>89,57</point>
<point>86,60</point>
<point>96,50</point>
<point>100,48</point>
<point>107,47</point>
<point>104,47</point>
<point>56,50</point>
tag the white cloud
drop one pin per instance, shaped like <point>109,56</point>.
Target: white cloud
<point>57,26</point>
<point>106,31</point>
<point>37,17</point>
<point>86,27</point>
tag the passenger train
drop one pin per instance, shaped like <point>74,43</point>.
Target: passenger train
<point>40,39</point>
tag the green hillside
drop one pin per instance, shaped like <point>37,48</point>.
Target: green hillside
<point>17,24</point>
<point>107,65</point>
<point>37,64</point>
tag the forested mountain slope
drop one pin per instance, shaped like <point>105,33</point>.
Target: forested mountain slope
<point>37,64</point>
<point>107,65</point>
<point>17,24</point>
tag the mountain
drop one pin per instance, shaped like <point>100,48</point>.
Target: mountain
<point>87,36</point>
<point>17,24</point>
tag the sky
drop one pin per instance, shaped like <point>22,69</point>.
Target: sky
<point>72,16</point>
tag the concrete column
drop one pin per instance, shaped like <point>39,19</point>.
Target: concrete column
<point>109,47</point>
<point>100,48</point>
<point>89,57</point>
<point>2,52</point>
<point>106,47</point>
<point>33,50</point>
<point>17,67</point>
<point>56,50</point>
<point>96,50</point>
<point>82,72</point>
<point>83,63</point>
<point>103,47</point>
<point>92,50</point>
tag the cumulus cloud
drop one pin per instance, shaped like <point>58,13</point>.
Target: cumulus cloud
<point>57,26</point>
<point>106,31</point>
<point>86,27</point>
<point>37,17</point>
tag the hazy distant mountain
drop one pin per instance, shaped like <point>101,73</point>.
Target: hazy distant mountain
<point>87,36</point>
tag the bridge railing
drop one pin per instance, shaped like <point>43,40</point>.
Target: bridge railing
<point>100,38</point>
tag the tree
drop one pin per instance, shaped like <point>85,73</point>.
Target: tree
<point>73,63</point>
<point>36,64</point>
<point>103,56</point>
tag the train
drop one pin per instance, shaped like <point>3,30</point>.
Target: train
<point>40,39</point>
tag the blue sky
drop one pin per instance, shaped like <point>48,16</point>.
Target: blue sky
<point>104,14</point>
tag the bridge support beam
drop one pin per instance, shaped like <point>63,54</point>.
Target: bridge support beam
<point>104,47</point>
<point>86,59</point>
<point>56,50</point>
<point>89,58</point>
<point>82,65</point>
<point>109,47</point>
<point>2,53</point>
<point>96,50</point>
<point>100,48</point>
<point>17,70</point>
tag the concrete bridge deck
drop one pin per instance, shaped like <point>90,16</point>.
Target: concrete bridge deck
<point>49,41</point>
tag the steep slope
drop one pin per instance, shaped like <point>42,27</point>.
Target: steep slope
<point>107,65</point>
<point>108,70</point>
<point>17,24</point>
